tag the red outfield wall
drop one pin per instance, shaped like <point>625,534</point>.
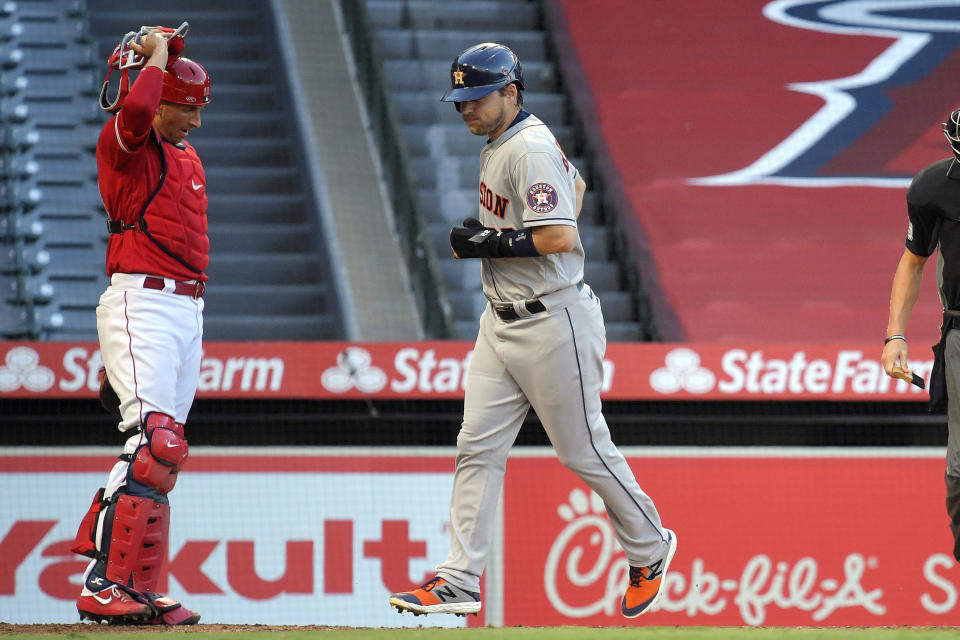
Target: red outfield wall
<point>306,536</point>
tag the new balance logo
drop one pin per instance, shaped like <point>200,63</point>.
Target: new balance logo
<point>655,570</point>
<point>444,593</point>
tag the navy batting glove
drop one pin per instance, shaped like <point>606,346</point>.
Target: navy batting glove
<point>480,242</point>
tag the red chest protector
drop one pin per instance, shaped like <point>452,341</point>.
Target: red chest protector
<point>169,237</point>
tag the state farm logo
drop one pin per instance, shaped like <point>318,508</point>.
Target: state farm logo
<point>682,371</point>
<point>838,372</point>
<point>23,369</point>
<point>354,368</point>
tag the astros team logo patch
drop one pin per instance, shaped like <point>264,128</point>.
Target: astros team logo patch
<point>542,197</point>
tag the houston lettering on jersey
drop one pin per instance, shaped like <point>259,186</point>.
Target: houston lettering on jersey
<point>493,202</point>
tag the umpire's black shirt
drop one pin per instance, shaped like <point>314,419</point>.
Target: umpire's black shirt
<point>933,205</point>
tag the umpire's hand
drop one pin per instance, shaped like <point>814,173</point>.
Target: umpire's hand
<point>895,355</point>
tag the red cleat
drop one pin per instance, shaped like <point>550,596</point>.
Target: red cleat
<point>114,605</point>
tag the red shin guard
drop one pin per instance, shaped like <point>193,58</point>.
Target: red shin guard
<point>138,542</point>
<point>86,541</point>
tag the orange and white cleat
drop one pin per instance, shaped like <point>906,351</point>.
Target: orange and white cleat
<point>112,604</point>
<point>643,591</point>
<point>437,596</point>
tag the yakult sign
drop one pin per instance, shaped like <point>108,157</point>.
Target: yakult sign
<point>254,539</point>
<point>431,370</point>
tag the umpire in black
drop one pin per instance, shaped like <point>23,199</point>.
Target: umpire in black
<point>933,206</point>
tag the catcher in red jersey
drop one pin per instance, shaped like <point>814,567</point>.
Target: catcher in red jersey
<point>149,320</point>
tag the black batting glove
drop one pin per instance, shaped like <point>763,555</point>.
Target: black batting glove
<point>473,240</point>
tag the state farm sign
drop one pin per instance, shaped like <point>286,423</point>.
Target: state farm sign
<point>778,372</point>
<point>429,370</point>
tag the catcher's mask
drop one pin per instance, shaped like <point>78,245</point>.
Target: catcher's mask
<point>125,58</point>
<point>951,129</point>
<point>481,70</point>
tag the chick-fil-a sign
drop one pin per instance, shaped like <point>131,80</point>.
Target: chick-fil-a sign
<point>761,541</point>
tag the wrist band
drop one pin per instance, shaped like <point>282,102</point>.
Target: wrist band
<point>517,244</point>
<point>895,336</point>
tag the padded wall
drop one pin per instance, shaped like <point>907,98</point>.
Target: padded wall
<point>770,193</point>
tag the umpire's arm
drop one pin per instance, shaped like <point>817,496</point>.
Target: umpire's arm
<point>903,297</point>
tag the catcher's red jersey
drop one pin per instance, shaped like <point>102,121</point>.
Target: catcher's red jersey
<point>175,243</point>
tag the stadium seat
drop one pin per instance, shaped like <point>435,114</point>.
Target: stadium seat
<point>13,83</point>
<point>18,137</point>
<point>11,55</point>
<point>13,320</point>
<point>47,318</point>
<point>15,110</point>
<point>22,195</point>
<point>18,166</point>
<point>22,288</point>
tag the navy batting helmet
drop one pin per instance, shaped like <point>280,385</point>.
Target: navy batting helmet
<point>951,129</point>
<point>481,70</point>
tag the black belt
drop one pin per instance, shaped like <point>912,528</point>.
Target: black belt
<point>506,311</point>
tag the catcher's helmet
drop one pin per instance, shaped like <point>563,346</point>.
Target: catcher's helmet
<point>185,82</point>
<point>951,129</point>
<point>481,70</point>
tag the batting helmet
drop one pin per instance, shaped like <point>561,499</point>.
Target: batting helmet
<point>951,129</point>
<point>185,82</point>
<point>481,70</point>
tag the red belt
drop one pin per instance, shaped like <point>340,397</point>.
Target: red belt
<point>194,290</point>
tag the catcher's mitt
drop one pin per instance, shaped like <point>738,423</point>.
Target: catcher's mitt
<point>108,397</point>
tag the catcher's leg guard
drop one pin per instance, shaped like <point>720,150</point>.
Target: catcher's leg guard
<point>85,543</point>
<point>138,549</point>
<point>159,459</point>
<point>134,530</point>
<point>138,531</point>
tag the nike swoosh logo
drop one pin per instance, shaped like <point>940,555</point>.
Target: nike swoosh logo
<point>172,444</point>
<point>102,600</point>
<point>195,185</point>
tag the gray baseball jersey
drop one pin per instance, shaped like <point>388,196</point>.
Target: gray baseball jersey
<point>551,360</point>
<point>526,181</point>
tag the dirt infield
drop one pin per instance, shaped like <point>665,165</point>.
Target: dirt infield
<point>7,629</point>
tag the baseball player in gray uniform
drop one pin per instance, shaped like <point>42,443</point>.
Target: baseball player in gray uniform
<point>541,343</point>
